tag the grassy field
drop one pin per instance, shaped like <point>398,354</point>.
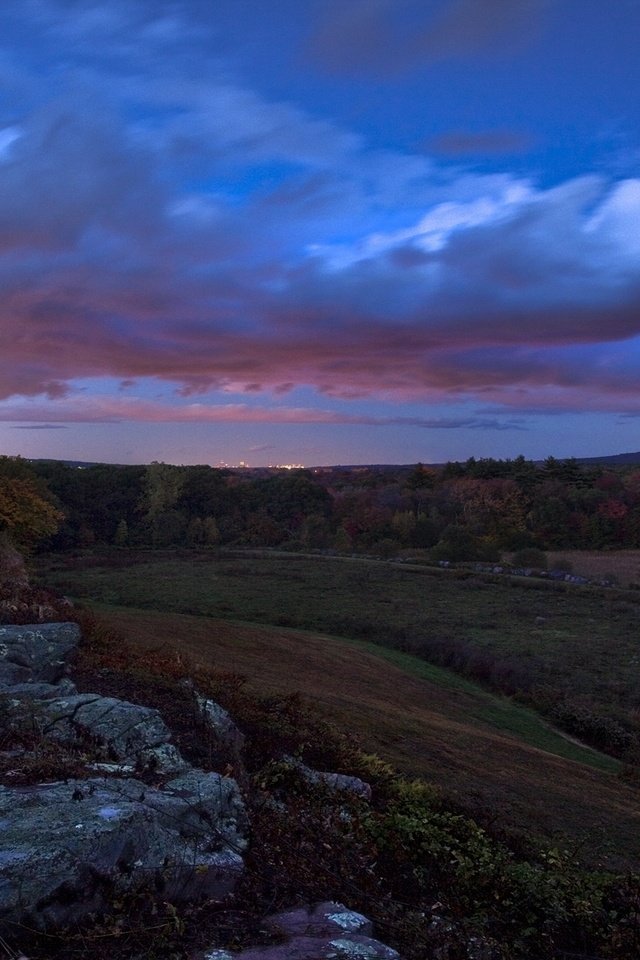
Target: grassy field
<point>623,565</point>
<point>426,720</point>
<point>582,641</point>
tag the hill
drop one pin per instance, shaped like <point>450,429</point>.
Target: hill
<point>439,874</point>
<point>616,459</point>
<point>425,721</point>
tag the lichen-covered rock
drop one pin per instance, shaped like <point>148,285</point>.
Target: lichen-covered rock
<point>130,733</point>
<point>65,846</point>
<point>198,801</point>
<point>36,653</point>
<point>221,725</point>
<point>41,691</point>
<point>321,919</point>
<point>327,931</point>
<point>334,782</point>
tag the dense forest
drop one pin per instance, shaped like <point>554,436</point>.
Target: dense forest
<point>460,511</point>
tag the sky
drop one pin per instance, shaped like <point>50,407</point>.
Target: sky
<point>319,231</point>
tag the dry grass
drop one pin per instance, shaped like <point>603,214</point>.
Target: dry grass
<point>624,565</point>
<point>421,727</point>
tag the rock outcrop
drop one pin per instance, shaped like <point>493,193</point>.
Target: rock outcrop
<point>36,653</point>
<point>220,724</point>
<point>133,735</point>
<point>336,783</point>
<point>137,815</point>
<point>67,847</point>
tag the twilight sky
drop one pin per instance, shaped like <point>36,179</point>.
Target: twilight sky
<point>319,231</point>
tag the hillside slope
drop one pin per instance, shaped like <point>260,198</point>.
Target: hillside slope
<point>439,727</point>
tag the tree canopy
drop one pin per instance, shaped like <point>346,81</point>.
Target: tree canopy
<point>26,516</point>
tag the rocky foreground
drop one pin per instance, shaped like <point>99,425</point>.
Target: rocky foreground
<point>129,812</point>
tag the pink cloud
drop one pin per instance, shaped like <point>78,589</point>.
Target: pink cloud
<point>117,409</point>
<point>461,142</point>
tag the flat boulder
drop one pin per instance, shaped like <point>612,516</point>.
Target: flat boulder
<point>326,931</point>
<point>41,691</point>
<point>68,846</point>
<point>130,733</point>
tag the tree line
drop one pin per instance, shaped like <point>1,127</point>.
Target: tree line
<point>460,511</point>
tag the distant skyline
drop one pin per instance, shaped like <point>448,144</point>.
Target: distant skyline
<point>335,231</point>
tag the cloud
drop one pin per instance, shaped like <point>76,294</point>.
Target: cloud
<point>478,142</point>
<point>498,290</point>
<point>392,36</point>
<point>467,27</point>
<point>180,226</point>
<point>116,410</point>
<point>41,426</point>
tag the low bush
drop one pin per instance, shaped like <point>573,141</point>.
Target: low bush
<point>530,557</point>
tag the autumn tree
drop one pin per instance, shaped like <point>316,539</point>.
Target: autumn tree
<point>26,517</point>
<point>493,510</point>
<point>420,478</point>
<point>210,531</point>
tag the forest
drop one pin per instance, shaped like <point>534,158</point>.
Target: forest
<point>460,511</point>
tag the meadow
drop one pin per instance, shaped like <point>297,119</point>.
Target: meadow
<point>355,637</point>
<point>620,566</point>
<point>581,642</point>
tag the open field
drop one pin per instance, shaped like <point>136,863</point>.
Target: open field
<point>581,642</point>
<point>425,721</point>
<point>623,565</point>
<point>342,632</point>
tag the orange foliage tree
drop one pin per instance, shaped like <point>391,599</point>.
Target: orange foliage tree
<point>26,517</point>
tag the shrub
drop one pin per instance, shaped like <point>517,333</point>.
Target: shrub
<point>386,548</point>
<point>456,544</point>
<point>603,732</point>
<point>530,557</point>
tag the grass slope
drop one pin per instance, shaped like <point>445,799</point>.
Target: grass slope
<point>582,641</point>
<point>425,721</point>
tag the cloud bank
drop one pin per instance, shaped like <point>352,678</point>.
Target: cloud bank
<point>161,219</point>
<point>113,410</point>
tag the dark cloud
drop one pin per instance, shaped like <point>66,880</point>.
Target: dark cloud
<point>552,271</point>
<point>41,426</point>
<point>408,256</point>
<point>389,36</point>
<point>467,27</point>
<point>478,142</point>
